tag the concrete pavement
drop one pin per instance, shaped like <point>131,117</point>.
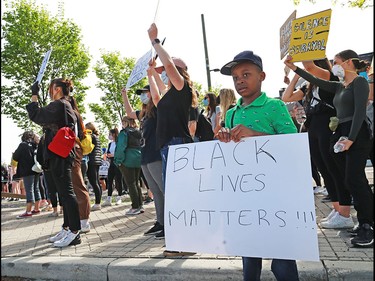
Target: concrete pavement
<point>116,249</point>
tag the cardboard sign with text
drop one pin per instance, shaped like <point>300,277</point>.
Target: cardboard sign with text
<point>43,66</point>
<point>285,34</point>
<point>310,36</point>
<point>140,69</point>
<point>253,198</point>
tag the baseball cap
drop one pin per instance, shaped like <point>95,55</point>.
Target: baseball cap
<point>244,56</point>
<point>177,61</point>
<point>144,89</point>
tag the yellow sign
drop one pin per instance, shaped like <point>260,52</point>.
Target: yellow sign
<point>309,36</point>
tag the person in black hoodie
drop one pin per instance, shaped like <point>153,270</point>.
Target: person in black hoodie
<point>52,117</point>
<point>24,155</point>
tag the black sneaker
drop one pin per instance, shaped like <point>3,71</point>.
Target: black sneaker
<point>153,230</point>
<point>160,235</point>
<point>365,236</point>
<point>354,232</point>
<point>326,199</point>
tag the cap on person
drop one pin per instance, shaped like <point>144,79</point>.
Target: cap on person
<point>144,89</point>
<point>245,56</point>
<point>177,61</point>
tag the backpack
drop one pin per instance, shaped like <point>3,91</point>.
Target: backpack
<point>86,142</point>
<point>128,148</point>
<point>204,130</point>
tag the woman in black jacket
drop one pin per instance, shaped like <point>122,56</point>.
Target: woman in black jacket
<point>95,161</point>
<point>52,117</point>
<point>24,155</point>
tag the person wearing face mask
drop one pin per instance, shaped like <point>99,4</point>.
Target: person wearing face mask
<point>150,155</point>
<point>209,102</point>
<point>350,99</point>
<point>319,108</point>
<point>52,117</point>
<point>113,171</point>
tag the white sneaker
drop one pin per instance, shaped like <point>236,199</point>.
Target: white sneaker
<point>318,189</point>
<point>107,202</point>
<point>85,226</point>
<point>118,200</point>
<point>69,239</point>
<point>132,212</point>
<point>63,232</point>
<point>338,221</point>
<point>331,214</point>
<point>96,207</point>
<point>324,191</point>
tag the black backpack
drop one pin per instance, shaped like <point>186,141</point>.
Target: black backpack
<point>204,128</point>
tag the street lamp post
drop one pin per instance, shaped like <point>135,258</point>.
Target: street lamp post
<point>206,54</point>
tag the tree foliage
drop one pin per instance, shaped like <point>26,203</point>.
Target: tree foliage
<point>113,72</point>
<point>28,32</point>
<point>363,4</point>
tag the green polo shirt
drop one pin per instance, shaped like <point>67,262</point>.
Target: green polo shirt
<point>266,115</point>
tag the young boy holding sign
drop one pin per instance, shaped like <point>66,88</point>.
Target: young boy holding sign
<point>255,114</point>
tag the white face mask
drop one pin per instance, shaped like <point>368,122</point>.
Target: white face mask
<point>110,137</point>
<point>338,71</point>
<point>144,98</point>
<point>164,77</point>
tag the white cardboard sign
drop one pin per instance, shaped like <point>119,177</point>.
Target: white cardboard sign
<point>43,66</point>
<point>253,198</point>
<point>140,69</point>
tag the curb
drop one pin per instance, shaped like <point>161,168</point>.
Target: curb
<point>144,269</point>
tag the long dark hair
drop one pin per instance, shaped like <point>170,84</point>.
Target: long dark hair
<point>350,54</point>
<point>114,132</point>
<point>212,104</point>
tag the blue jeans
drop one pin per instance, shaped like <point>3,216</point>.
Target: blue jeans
<point>284,270</point>
<point>164,154</point>
<point>31,184</point>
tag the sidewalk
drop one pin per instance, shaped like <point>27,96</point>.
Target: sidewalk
<point>116,250</point>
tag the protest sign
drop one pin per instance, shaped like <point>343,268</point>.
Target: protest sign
<point>252,198</point>
<point>43,66</point>
<point>309,36</point>
<point>285,34</point>
<point>140,69</point>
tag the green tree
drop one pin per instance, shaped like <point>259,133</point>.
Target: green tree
<point>113,72</point>
<point>363,4</point>
<point>28,32</point>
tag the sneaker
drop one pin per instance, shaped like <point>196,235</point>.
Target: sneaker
<point>354,232</point>
<point>63,232</point>
<point>132,212</point>
<point>34,212</point>
<point>338,221</point>
<point>318,189</point>
<point>106,202</point>
<point>326,199</point>
<point>118,200</point>
<point>96,207</point>
<point>24,215</point>
<point>155,229</point>
<point>85,228</point>
<point>331,214</point>
<point>160,235</point>
<point>167,253</point>
<point>43,203</point>
<point>148,200</point>
<point>365,236</point>
<point>141,209</point>
<point>69,239</point>
<point>324,191</point>
<point>54,214</point>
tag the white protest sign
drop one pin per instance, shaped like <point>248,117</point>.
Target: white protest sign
<point>43,67</point>
<point>140,69</point>
<point>253,198</point>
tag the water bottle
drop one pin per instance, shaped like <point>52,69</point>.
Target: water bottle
<point>339,147</point>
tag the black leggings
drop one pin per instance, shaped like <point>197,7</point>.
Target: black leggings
<point>352,165</point>
<point>114,173</point>
<point>93,176</point>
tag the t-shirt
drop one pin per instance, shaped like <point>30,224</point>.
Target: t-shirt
<point>173,115</point>
<point>264,114</point>
<point>149,151</point>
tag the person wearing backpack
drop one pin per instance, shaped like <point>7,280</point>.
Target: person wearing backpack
<point>128,159</point>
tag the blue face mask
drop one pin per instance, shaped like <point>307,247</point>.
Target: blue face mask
<point>205,102</point>
<point>164,77</point>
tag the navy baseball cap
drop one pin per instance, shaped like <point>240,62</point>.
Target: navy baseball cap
<point>244,56</point>
<point>144,89</point>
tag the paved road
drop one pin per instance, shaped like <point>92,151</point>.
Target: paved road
<point>116,249</point>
